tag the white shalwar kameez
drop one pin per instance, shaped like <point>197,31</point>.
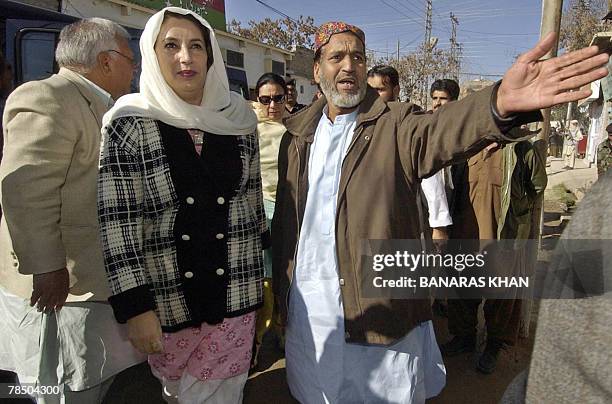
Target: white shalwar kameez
<point>321,366</point>
<point>437,205</point>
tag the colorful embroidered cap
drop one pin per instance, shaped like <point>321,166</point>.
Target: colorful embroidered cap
<point>328,29</point>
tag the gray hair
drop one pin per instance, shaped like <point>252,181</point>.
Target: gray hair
<point>82,41</point>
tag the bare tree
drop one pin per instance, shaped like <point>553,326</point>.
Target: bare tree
<point>417,68</point>
<point>581,20</point>
<point>282,33</point>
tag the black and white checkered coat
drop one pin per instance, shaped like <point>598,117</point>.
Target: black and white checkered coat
<point>170,243</point>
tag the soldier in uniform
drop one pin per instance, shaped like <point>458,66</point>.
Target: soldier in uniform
<point>604,153</point>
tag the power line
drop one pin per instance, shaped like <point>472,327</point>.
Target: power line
<point>411,42</point>
<point>497,42</point>
<point>413,8</point>
<point>480,74</point>
<point>382,24</point>
<point>277,11</point>
<point>399,11</point>
<point>499,34</point>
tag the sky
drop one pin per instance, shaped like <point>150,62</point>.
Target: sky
<point>492,32</point>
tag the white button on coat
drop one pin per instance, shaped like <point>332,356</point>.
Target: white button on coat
<point>186,237</point>
<point>220,236</point>
<point>188,274</point>
<point>220,271</point>
<point>190,200</point>
<point>220,200</point>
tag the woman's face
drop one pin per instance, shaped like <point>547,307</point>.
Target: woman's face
<point>182,58</point>
<point>267,93</point>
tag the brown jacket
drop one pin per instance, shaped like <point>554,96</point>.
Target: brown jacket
<point>391,149</point>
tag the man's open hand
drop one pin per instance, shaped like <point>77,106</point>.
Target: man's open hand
<point>531,84</point>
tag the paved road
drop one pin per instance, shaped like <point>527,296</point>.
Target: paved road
<point>582,176</point>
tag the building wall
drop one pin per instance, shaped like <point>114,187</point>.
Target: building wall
<point>301,64</point>
<point>301,71</point>
<point>48,4</point>
<point>134,17</point>
<point>305,89</point>
<point>257,59</point>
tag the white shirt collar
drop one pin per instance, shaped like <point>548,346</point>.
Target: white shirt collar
<point>340,119</point>
<point>105,95</point>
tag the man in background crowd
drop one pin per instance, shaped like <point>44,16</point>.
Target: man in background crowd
<point>495,198</point>
<point>385,80</point>
<point>556,143</point>
<point>570,145</point>
<point>291,104</point>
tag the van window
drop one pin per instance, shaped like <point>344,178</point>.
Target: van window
<point>37,51</point>
<point>235,59</point>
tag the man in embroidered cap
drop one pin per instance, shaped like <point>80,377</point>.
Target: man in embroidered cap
<point>349,165</point>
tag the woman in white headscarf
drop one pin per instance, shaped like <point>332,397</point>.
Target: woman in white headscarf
<point>181,213</point>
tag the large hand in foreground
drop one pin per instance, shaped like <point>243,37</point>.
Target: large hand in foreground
<point>531,84</point>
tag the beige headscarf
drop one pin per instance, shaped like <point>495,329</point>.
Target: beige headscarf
<point>221,112</point>
<point>270,134</point>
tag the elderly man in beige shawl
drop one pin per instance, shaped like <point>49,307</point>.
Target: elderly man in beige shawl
<point>572,137</point>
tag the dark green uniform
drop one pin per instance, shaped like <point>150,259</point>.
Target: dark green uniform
<point>604,157</point>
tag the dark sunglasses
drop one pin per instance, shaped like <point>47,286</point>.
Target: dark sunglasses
<point>266,99</point>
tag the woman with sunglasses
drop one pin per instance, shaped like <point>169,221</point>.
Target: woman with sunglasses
<point>181,214</point>
<point>270,108</point>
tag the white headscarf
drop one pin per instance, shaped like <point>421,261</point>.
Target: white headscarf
<point>221,112</point>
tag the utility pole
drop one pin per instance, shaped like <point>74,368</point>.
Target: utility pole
<point>428,23</point>
<point>581,7</point>
<point>427,52</point>
<point>551,22</point>
<point>454,46</point>
<point>398,48</point>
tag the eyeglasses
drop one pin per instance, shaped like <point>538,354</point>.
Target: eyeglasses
<point>267,99</point>
<point>131,60</point>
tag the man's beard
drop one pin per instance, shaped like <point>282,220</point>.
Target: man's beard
<point>342,100</point>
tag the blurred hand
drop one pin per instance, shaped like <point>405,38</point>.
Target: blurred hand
<point>531,84</point>
<point>439,237</point>
<point>145,333</point>
<point>490,149</point>
<point>50,290</point>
